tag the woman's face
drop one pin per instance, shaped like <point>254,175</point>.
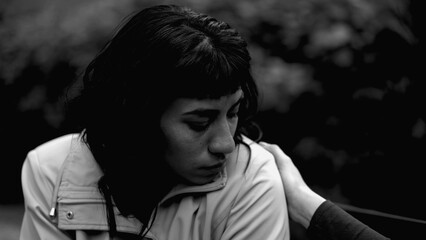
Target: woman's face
<point>200,135</point>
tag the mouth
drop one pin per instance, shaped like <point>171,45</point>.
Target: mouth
<point>213,169</point>
<point>219,165</point>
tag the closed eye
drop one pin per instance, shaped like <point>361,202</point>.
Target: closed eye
<point>233,114</point>
<point>199,126</point>
<point>201,119</point>
<point>235,109</point>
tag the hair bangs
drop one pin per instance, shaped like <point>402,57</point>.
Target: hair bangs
<point>210,73</point>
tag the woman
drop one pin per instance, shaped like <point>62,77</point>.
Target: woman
<point>164,149</point>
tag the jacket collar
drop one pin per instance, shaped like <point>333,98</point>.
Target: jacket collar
<point>77,185</point>
<point>82,170</point>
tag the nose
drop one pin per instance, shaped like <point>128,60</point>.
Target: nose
<point>222,141</point>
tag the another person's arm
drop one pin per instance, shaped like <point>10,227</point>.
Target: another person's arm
<point>321,218</point>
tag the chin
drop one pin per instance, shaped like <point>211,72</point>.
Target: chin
<point>200,180</point>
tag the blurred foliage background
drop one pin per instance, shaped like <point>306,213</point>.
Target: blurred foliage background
<point>342,86</point>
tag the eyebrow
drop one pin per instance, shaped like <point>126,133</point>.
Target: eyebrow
<point>211,112</point>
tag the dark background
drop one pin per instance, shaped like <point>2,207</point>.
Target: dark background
<point>342,86</point>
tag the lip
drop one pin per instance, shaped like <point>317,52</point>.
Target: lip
<point>214,167</point>
<point>211,171</point>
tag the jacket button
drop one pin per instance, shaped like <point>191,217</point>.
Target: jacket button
<point>70,215</point>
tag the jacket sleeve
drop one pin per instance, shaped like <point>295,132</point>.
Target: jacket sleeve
<point>331,222</point>
<point>260,209</point>
<point>37,186</point>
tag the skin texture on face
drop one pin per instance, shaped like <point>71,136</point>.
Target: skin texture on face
<point>200,136</point>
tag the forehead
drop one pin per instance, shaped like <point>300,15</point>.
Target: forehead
<point>189,104</point>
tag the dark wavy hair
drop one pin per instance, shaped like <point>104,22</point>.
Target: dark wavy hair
<point>158,54</point>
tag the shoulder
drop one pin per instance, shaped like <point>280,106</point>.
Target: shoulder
<point>44,161</point>
<point>55,149</point>
<point>252,165</point>
<point>258,156</point>
<point>40,171</point>
<point>256,194</point>
<point>253,161</point>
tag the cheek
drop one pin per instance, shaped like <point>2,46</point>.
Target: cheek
<point>181,145</point>
<point>181,155</point>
